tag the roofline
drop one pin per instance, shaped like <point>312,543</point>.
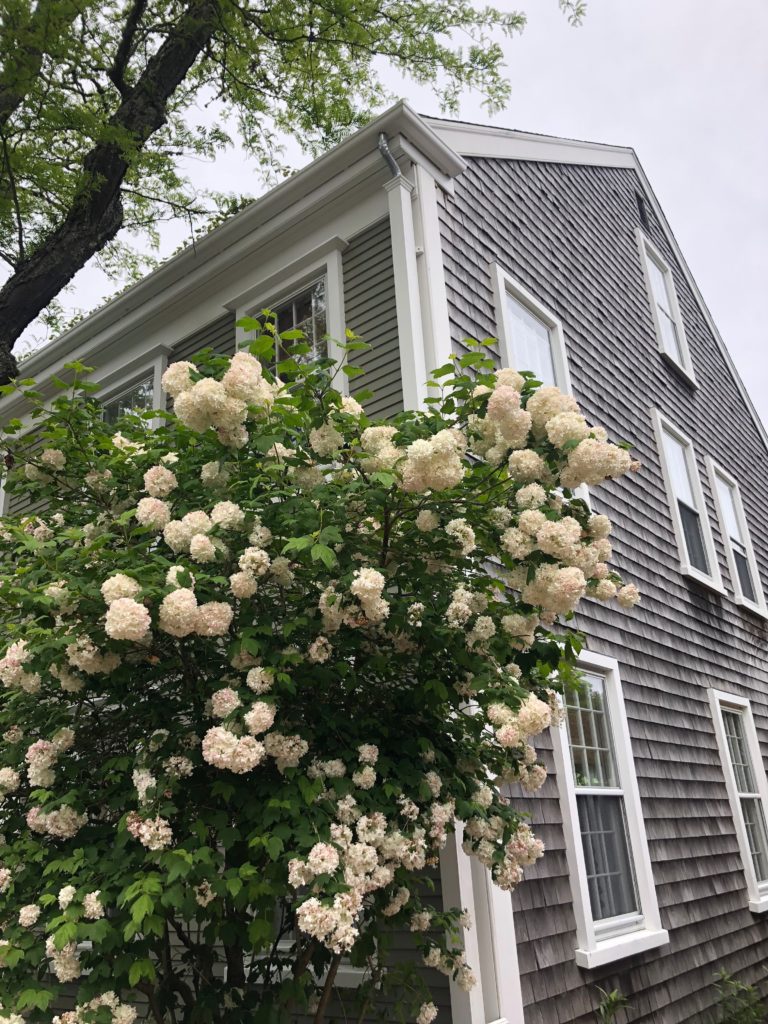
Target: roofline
<point>485,141</point>
<point>399,119</point>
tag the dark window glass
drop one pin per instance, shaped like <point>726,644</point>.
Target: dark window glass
<point>609,866</point>
<point>745,576</point>
<point>694,539</point>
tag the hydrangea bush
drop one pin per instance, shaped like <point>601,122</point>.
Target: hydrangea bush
<point>261,655</point>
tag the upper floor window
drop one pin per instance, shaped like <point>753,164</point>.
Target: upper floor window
<point>747,788</point>
<point>531,337</point>
<point>698,558</point>
<point>305,311</point>
<point>139,397</point>
<point>667,319</point>
<point>613,893</point>
<point>738,543</point>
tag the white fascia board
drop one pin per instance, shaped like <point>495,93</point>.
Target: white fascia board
<point>473,140</point>
<point>352,163</point>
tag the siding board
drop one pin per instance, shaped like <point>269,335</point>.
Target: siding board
<point>567,233</point>
<point>369,311</point>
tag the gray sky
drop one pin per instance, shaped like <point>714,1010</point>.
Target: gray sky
<point>685,82</point>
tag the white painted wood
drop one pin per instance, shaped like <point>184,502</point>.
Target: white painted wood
<point>407,295</point>
<point>458,891</point>
<point>662,425</point>
<point>714,471</point>
<point>435,320</point>
<point>757,891</point>
<point>603,942</point>
<point>648,251</point>
<point>504,284</point>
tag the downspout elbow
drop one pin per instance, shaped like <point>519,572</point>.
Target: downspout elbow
<point>387,154</point>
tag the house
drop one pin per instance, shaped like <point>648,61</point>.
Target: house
<point>417,233</point>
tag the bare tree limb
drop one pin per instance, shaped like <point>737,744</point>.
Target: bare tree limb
<point>116,73</point>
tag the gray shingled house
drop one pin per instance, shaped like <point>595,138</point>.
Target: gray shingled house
<point>417,233</point>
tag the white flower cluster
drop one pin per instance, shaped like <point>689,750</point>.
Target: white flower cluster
<point>13,670</point>
<point>238,754</point>
<point>121,1012</point>
<point>154,833</point>
<point>434,464</point>
<point>63,823</point>
<point>65,962</point>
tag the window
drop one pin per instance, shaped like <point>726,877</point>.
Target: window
<point>745,577</point>
<point>747,789</point>
<point>305,311</point>
<point>667,319</point>
<point>698,558</point>
<point>531,337</point>
<point>138,398</point>
<point>613,893</point>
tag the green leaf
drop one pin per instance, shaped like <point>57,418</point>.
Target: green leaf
<point>322,553</point>
<point>39,998</point>
<point>352,371</point>
<point>143,906</point>
<point>274,847</point>
<point>141,969</point>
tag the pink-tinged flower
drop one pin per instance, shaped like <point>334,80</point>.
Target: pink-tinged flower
<point>159,481</point>
<point>224,702</point>
<point>178,613</point>
<point>153,513</point>
<point>260,718</point>
<point>127,620</point>
<point>213,618</point>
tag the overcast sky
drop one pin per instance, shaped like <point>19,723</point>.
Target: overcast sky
<point>685,82</point>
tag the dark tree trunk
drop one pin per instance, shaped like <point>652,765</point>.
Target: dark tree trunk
<point>96,215</point>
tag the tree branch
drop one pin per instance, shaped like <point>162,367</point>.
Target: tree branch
<point>96,214</point>
<point>14,194</point>
<point>116,73</point>
<point>32,41</point>
<point>325,998</point>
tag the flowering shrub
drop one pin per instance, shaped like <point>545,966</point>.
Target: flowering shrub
<point>259,661</point>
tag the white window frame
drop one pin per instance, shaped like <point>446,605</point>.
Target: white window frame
<point>504,284</point>
<point>324,261</point>
<point>716,473</point>
<point>662,425</point>
<point>757,892</point>
<point>648,251</point>
<point>600,943</point>
<point>127,385</point>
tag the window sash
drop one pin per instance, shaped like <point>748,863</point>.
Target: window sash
<point>531,341</point>
<point>607,857</point>
<point>662,291</point>
<point>757,834</point>
<point>138,398</point>
<point>694,537</point>
<point>744,574</point>
<point>307,311</point>
<point>600,803</point>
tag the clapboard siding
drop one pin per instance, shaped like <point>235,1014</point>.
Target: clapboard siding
<point>218,335</point>
<point>567,233</point>
<point>369,310</point>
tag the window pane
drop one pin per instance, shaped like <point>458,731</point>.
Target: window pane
<point>694,540</point>
<point>744,572</point>
<point>589,735</point>
<point>305,312</point>
<point>754,822</point>
<point>728,508</point>
<point>610,876</point>
<point>733,723</point>
<point>659,286</point>
<point>138,399</point>
<point>677,466</point>
<point>531,342</point>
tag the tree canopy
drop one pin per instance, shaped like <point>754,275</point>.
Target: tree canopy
<point>97,105</point>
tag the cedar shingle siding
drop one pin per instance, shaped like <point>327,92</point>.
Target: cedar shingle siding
<point>567,233</point>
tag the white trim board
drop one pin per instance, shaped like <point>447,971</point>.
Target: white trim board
<point>757,892</point>
<point>597,944</point>
<point>714,581</point>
